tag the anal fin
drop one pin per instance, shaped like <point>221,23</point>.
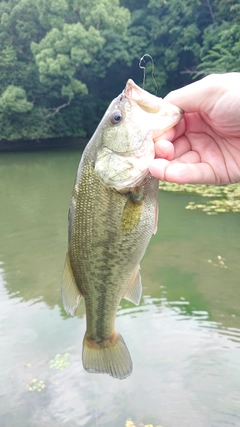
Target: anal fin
<point>70,293</point>
<point>134,290</point>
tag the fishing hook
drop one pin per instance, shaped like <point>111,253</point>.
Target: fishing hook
<point>143,67</point>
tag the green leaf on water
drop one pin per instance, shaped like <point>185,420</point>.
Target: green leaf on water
<point>60,362</point>
<point>228,196</point>
<point>35,385</point>
<point>130,423</point>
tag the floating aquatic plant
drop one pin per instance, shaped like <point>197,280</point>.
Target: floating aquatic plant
<point>216,206</point>
<point>130,423</point>
<point>228,196</point>
<point>219,263</point>
<point>35,385</point>
<point>60,362</point>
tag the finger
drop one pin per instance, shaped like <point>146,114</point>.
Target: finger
<point>195,96</point>
<point>164,149</point>
<point>168,135</point>
<point>198,135</point>
<point>179,129</point>
<point>189,157</point>
<point>174,132</point>
<point>181,146</point>
<point>199,173</point>
<point>158,167</point>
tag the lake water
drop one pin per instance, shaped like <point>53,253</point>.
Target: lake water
<point>184,337</point>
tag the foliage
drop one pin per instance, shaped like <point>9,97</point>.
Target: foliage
<point>62,62</point>
<point>221,39</point>
<point>53,54</point>
<point>175,37</point>
<point>13,100</point>
<point>228,196</point>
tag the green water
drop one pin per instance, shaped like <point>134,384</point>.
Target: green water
<point>184,337</point>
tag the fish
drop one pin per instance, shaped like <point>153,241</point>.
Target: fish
<point>112,216</point>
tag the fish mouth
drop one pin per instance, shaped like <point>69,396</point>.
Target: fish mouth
<point>145,100</point>
<point>124,160</point>
<point>168,113</point>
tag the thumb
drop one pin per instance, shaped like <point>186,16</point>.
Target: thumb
<point>200,95</point>
<point>189,98</point>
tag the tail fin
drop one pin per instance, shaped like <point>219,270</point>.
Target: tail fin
<point>108,357</point>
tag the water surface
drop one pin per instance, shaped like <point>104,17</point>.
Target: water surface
<point>184,337</point>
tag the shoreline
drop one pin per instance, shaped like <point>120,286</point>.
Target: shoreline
<point>42,144</point>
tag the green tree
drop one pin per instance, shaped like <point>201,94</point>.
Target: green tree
<point>221,39</point>
<point>57,52</point>
<point>18,72</point>
<point>168,31</point>
<point>61,62</point>
<point>13,100</point>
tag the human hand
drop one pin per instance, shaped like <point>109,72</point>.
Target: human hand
<point>204,147</point>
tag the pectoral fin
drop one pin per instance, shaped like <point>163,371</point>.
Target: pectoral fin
<point>134,291</point>
<point>70,293</point>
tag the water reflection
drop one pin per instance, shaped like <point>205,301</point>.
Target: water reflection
<point>184,337</point>
<point>36,191</point>
<point>184,370</point>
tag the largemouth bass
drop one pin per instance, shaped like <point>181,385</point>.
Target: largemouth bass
<point>112,216</point>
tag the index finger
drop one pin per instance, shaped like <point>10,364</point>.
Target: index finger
<point>200,95</point>
<point>190,97</point>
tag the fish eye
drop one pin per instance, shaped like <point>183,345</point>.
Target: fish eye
<point>116,117</point>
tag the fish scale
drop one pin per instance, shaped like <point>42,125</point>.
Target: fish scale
<point>101,265</point>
